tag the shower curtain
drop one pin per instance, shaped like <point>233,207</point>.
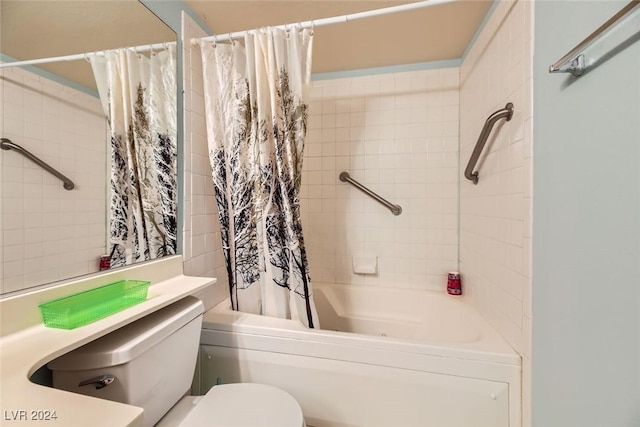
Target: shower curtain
<point>256,113</point>
<point>138,96</point>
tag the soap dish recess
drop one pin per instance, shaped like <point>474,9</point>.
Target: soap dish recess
<point>85,307</point>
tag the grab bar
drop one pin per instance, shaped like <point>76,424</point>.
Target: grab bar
<point>395,209</point>
<point>6,144</point>
<point>506,112</point>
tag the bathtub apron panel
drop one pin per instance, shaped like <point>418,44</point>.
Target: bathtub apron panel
<point>346,394</point>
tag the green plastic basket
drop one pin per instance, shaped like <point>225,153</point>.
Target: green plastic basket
<point>85,307</point>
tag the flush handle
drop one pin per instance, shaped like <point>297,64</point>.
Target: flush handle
<point>101,382</point>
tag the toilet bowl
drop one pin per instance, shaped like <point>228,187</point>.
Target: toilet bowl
<point>150,364</point>
<point>245,405</point>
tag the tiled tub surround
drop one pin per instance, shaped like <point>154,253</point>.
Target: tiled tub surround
<point>202,247</point>
<point>49,233</point>
<point>495,215</point>
<point>398,135</point>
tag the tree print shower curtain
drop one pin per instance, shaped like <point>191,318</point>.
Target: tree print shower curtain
<point>138,96</point>
<point>256,113</point>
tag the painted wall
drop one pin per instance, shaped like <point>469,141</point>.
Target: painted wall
<point>495,214</point>
<point>397,134</point>
<point>49,233</point>
<point>586,251</point>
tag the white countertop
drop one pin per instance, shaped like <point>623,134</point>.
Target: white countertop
<point>24,350</point>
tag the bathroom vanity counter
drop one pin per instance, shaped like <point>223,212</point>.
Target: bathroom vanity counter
<point>26,345</point>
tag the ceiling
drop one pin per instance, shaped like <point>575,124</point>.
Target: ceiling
<point>427,34</point>
<point>31,29</point>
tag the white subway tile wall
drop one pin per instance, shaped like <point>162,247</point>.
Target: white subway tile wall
<point>49,233</point>
<point>495,215</point>
<point>398,135</point>
<point>201,233</point>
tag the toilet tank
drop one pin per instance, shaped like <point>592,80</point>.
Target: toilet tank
<point>148,363</point>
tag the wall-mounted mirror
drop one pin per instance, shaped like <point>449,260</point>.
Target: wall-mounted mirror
<point>49,233</point>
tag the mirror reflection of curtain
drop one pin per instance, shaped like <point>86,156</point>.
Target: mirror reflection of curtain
<point>256,111</point>
<point>138,96</point>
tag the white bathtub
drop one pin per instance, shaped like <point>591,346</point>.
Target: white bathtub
<point>385,357</point>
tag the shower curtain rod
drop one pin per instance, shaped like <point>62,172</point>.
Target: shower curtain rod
<point>230,36</point>
<point>334,20</point>
<point>79,56</point>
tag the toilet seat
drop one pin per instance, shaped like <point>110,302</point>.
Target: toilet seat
<point>245,405</point>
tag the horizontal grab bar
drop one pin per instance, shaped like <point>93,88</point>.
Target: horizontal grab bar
<point>506,113</point>
<point>395,209</point>
<point>6,144</point>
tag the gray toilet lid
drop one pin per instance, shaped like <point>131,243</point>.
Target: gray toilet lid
<point>245,405</point>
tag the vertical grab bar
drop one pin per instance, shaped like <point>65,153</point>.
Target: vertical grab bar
<point>507,113</point>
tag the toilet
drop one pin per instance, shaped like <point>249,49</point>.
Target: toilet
<point>150,364</point>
